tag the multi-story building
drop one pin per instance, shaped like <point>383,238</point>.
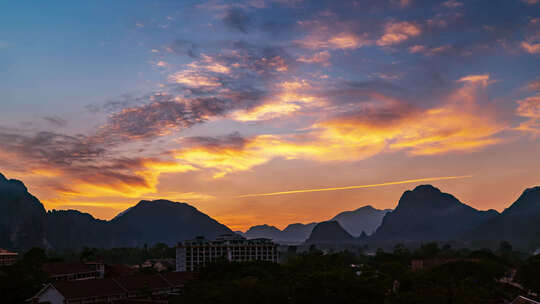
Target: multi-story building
<point>7,257</point>
<point>193,254</point>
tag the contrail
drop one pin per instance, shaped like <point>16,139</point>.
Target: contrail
<point>427,179</point>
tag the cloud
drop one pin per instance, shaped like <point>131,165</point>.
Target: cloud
<point>454,126</point>
<point>50,148</point>
<point>208,87</point>
<point>158,118</point>
<point>326,40</point>
<point>530,109</point>
<point>55,121</point>
<point>379,124</point>
<point>531,47</point>
<point>320,57</point>
<point>473,79</point>
<point>397,32</point>
<point>184,47</point>
<point>428,51</point>
<point>534,85</point>
<point>405,3</point>
<point>452,4</point>
<point>237,19</point>
<point>75,166</point>
<point>286,99</point>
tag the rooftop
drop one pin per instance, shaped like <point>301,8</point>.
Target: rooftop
<point>226,239</point>
<point>7,252</point>
<point>523,300</point>
<point>88,288</point>
<point>59,268</point>
<point>120,285</point>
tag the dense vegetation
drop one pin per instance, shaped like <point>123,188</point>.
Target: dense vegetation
<point>315,277</point>
<point>23,280</point>
<point>466,276</point>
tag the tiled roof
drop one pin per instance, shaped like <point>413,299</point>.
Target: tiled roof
<point>117,270</point>
<point>142,282</point>
<point>523,300</point>
<point>7,252</point>
<point>88,288</point>
<point>59,268</point>
<point>177,279</point>
<point>120,285</point>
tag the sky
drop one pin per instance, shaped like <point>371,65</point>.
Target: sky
<point>106,103</point>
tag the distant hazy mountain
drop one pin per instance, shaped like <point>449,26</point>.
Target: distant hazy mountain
<point>294,233</point>
<point>22,216</point>
<point>519,224</point>
<point>263,231</point>
<point>423,214</point>
<point>329,232</point>
<point>25,223</point>
<point>298,232</point>
<point>427,214</point>
<point>366,219</point>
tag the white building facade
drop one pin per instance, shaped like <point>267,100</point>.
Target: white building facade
<point>194,254</point>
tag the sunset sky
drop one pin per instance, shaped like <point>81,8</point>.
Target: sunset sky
<point>105,103</point>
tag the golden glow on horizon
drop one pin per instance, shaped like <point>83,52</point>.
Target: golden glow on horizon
<point>427,179</point>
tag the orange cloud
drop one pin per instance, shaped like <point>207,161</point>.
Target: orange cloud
<point>483,79</point>
<point>326,40</point>
<point>194,78</point>
<point>389,125</point>
<point>452,4</point>
<point>530,108</point>
<point>321,58</point>
<point>531,48</point>
<point>397,32</point>
<point>405,2</point>
<point>289,98</point>
<point>427,51</point>
<point>534,85</point>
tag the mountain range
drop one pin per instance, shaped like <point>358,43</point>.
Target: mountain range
<point>25,223</point>
<point>362,220</point>
<point>422,214</point>
<point>427,214</point>
<point>518,224</point>
<point>330,232</point>
<point>292,234</point>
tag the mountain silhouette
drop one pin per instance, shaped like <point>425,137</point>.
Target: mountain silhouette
<point>365,219</point>
<point>163,221</point>
<point>24,223</point>
<point>298,232</point>
<point>518,224</point>
<point>263,231</point>
<point>329,232</point>
<point>292,234</point>
<point>70,229</point>
<point>22,216</point>
<point>427,214</point>
<point>423,214</point>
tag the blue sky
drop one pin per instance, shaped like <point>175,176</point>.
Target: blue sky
<point>107,102</point>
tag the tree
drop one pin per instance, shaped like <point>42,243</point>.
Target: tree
<point>505,248</point>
